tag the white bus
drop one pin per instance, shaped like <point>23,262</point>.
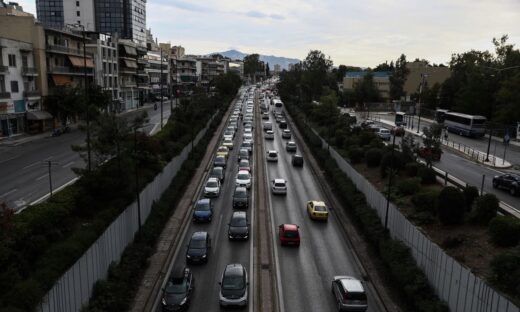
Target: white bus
<point>400,119</point>
<point>463,124</point>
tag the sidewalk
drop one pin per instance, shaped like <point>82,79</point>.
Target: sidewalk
<point>471,153</point>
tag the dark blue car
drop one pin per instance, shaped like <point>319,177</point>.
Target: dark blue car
<point>203,211</point>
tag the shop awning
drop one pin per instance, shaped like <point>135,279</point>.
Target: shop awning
<point>80,62</point>
<point>61,80</point>
<point>38,115</point>
<point>130,64</point>
<point>130,50</point>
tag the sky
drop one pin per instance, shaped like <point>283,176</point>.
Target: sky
<point>352,32</point>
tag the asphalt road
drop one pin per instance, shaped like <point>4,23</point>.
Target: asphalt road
<point>306,272</point>
<point>223,251</point>
<point>24,172</point>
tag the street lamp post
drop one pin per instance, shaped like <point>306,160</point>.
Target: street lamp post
<point>161,86</point>
<point>137,179</point>
<point>390,182</point>
<point>423,77</point>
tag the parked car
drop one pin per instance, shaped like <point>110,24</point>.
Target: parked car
<point>240,198</point>
<point>509,182</point>
<point>220,161</point>
<point>243,179</point>
<point>219,173</point>
<point>234,286</point>
<point>290,146</point>
<point>384,134</point>
<point>203,210</point>
<point>297,160</point>
<point>212,188</point>
<point>244,165</point>
<point>272,155</point>
<point>367,123</point>
<point>198,247</point>
<point>178,290</point>
<point>238,226</point>
<point>248,137</point>
<point>279,186</point>
<point>286,134</point>
<point>317,210</point>
<point>349,294</point>
<point>269,135</point>
<point>289,234</point>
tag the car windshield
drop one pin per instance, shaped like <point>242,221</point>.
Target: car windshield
<point>212,184</point>
<point>216,172</point>
<point>220,160</point>
<point>243,176</point>
<point>197,244</point>
<point>272,154</point>
<point>202,207</point>
<point>241,194</point>
<point>320,208</point>
<point>233,282</point>
<point>238,222</point>
<point>279,184</point>
<point>222,149</point>
<point>179,287</point>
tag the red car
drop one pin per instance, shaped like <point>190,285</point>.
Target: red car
<point>425,152</point>
<point>289,234</point>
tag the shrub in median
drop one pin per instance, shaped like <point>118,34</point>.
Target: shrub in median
<point>427,175</point>
<point>373,157</point>
<point>426,201</point>
<point>355,154</point>
<point>504,231</point>
<point>409,186</point>
<point>470,193</point>
<point>451,206</point>
<point>411,169</point>
<point>389,162</point>
<point>486,208</point>
<point>505,270</point>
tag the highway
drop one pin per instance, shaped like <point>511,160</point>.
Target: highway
<point>25,173</point>
<point>305,273</point>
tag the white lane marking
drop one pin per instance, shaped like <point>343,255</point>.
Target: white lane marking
<point>48,158</point>
<point>68,164</point>
<point>7,193</point>
<point>48,194</point>
<point>215,241</point>
<point>31,165</point>
<point>42,177</point>
<point>6,160</point>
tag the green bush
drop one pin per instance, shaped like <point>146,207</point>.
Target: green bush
<point>426,201</point>
<point>355,154</point>
<point>373,157</point>
<point>504,231</point>
<point>409,186</point>
<point>427,175</point>
<point>389,162</point>
<point>505,270</point>
<point>411,169</point>
<point>486,208</point>
<point>470,193</point>
<point>451,206</point>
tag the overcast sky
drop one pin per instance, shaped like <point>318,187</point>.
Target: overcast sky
<point>362,33</point>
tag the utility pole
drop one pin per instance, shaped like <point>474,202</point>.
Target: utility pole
<point>49,166</point>
<point>423,76</point>
<point>161,86</point>
<point>89,162</point>
<point>137,179</point>
<point>389,183</point>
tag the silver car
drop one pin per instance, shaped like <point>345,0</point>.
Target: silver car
<point>212,188</point>
<point>349,294</point>
<point>234,286</point>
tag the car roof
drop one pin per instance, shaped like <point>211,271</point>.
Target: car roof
<point>218,168</point>
<point>213,179</point>
<point>318,203</point>
<point>240,188</point>
<point>272,151</point>
<point>220,157</point>
<point>290,227</point>
<point>239,214</point>
<point>286,130</point>
<point>350,283</point>
<point>291,142</point>
<point>203,201</point>
<point>200,235</point>
<point>297,156</point>
<point>178,274</point>
<point>244,161</point>
<point>243,172</point>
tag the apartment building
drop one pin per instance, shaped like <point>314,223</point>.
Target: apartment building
<point>381,81</point>
<point>128,91</point>
<point>431,74</point>
<point>208,69</point>
<point>158,71</point>
<point>106,60</point>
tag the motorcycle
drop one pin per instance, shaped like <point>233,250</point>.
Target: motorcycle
<point>59,131</point>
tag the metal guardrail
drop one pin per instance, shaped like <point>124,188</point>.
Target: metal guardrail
<point>474,154</point>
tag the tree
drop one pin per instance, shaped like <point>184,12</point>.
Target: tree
<point>384,67</point>
<point>63,103</point>
<point>227,84</point>
<point>366,90</point>
<point>315,66</point>
<point>398,78</point>
<point>432,141</point>
<point>267,70</point>
<point>451,206</point>
<point>252,65</point>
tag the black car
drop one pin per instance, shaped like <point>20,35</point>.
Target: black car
<point>290,146</point>
<point>238,227</point>
<point>509,182</point>
<point>297,160</point>
<point>178,290</point>
<point>198,247</point>
<point>234,286</point>
<point>219,173</point>
<point>220,161</point>
<point>240,198</point>
<point>283,124</point>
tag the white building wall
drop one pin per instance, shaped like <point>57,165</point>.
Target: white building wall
<point>86,12</point>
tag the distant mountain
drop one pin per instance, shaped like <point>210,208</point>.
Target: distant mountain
<point>272,60</point>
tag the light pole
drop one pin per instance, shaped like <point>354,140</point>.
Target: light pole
<point>389,182</point>
<point>423,77</point>
<point>161,86</point>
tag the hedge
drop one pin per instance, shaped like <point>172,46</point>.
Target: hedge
<point>504,231</point>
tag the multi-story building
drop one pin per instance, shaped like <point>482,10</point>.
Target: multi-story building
<point>23,79</point>
<point>237,66</point>
<point>127,18</point>
<point>208,69</point>
<point>105,51</point>
<point>128,91</point>
<point>277,68</point>
<point>158,71</point>
<point>431,74</point>
<point>184,73</point>
<point>381,81</point>
<point>142,79</point>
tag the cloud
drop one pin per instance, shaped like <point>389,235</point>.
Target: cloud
<point>258,14</point>
<point>187,6</point>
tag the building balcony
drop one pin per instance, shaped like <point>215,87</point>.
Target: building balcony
<point>67,50</point>
<point>69,70</point>
<point>128,84</point>
<point>29,71</point>
<point>127,71</point>
<point>141,73</point>
<point>142,61</point>
<point>31,94</point>
<point>5,95</point>
<point>4,69</point>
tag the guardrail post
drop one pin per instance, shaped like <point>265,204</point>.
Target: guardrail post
<point>482,185</point>
<point>445,178</point>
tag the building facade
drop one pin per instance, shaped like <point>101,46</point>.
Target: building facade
<point>106,60</point>
<point>128,91</point>
<point>432,75</point>
<point>208,69</point>
<point>381,81</point>
<point>158,71</point>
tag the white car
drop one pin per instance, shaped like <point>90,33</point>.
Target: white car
<point>272,155</point>
<point>269,135</point>
<point>279,186</point>
<point>384,134</point>
<point>243,179</point>
<point>247,145</point>
<point>248,137</point>
<point>286,134</point>
<point>212,188</point>
<point>248,130</point>
<point>265,115</point>
<point>228,135</point>
<point>228,142</point>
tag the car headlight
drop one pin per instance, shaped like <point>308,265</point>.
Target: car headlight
<point>164,302</point>
<point>188,256</point>
<point>203,256</point>
<point>183,301</point>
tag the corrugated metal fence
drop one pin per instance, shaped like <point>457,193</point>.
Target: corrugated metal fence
<point>454,283</point>
<point>74,288</point>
